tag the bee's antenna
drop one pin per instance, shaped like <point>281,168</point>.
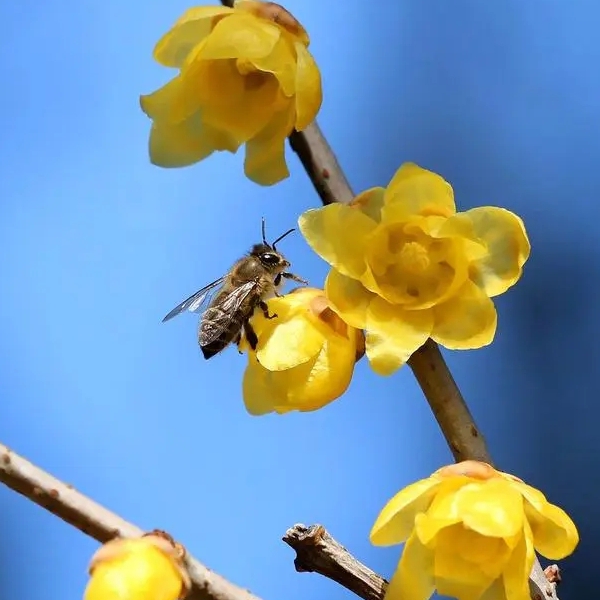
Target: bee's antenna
<point>281,237</point>
<point>263,232</point>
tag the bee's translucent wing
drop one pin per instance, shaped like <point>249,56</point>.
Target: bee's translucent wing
<point>195,301</point>
<point>218,317</point>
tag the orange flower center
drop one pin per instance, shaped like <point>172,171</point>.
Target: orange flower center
<point>413,258</point>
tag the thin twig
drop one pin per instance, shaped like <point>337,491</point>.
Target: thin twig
<point>318,552</point>
<point>98,522</point>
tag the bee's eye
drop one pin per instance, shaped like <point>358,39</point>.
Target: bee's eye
<point>269,258</point>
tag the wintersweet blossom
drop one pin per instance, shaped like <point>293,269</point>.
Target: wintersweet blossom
<point>470,533</point>
<point>407,266</point>
<point>147,568</point>
<point>304,358</point>
<point>245,77</point>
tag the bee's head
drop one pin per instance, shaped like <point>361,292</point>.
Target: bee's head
<point>268,255</point>
<point>272,260</point>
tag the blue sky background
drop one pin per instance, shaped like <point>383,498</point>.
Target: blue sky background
<point>501,98</point>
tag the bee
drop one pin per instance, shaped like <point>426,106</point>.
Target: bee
<point>232,299</point>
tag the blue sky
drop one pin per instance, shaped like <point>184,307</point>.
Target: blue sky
<point>97,244</point>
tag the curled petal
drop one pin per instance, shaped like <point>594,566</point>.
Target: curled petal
<point>349,298</point>
<point>507,244</point>
<point>393,334</point>
<point>413,579</point>
<point>159,104</point>
<point>308,87</point>
<point>554,533</point>
<point>193,26</point>
<point>370,202</point>
<point>396,520</point>
<point>338,234</point>
<point>185,143</point>
<point>417,191</point>
<point>265,153</point>
<point>282,64</point>
<point>467,320</point>
<point>241,36</point>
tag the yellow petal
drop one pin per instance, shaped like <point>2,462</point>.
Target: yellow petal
<point>195,24</point>
<point>393,334</point>
<point>281,62</point>
<point>307,387</point>
<point>370,202</point>
<point>455,573</point>
<point>468,320</point>
<point>143,573</point>
<point>258,388</point>
<point>183,144</point>
<point>397,519</point>
<point>240,104</point>
<point>518,568</point>
<point>508,248</point>
<point>413,579</point>
<point>287,343</point>
<point>309,94</point>
<point>265,153</point>
<point>492,509</point>
<point>349,298</point>
<point>417,191</point>
<point>339,235</point>
<point>554,533</point>
<point>241,36</point>
<point>159,104</point>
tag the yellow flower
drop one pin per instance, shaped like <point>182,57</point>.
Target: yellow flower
<point>304,358</point>
<point>245,77</point>
<point>470,530</point>
<point>407,266</point>
<point>147,568</point>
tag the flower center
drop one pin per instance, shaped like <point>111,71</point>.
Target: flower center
<point>253,78</point>
<point>414,258</point>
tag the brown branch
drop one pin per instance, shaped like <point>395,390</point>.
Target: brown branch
<point>318,552</point>
<point>447,404</point>
<point>98,522</point>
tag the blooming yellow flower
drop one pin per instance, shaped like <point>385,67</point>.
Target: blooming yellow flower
<point>147,568</point>
<point>470,530</point>
<point>245,77</point>
<point>407,266</point>
<point>304,358</point>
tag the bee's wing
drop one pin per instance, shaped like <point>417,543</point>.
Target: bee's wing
<point>215,322</point>
<point>195,301</point>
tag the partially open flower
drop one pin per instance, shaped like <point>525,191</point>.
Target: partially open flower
<point>470,530</point>
<point>150,567</point>
<point>304,358</point>
<point>407,266</point>
<point>245,77</point>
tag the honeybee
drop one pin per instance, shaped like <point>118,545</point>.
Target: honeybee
<point>232,299</point>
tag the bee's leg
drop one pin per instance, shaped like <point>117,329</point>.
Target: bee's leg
<point>250,335</point>
<point>277,283</point>
<point>265,310</point>
<point>237,340</point>
<point>294,278</point>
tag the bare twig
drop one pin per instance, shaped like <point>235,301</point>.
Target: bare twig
<point>318,552</point>
<point>96,521</point>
